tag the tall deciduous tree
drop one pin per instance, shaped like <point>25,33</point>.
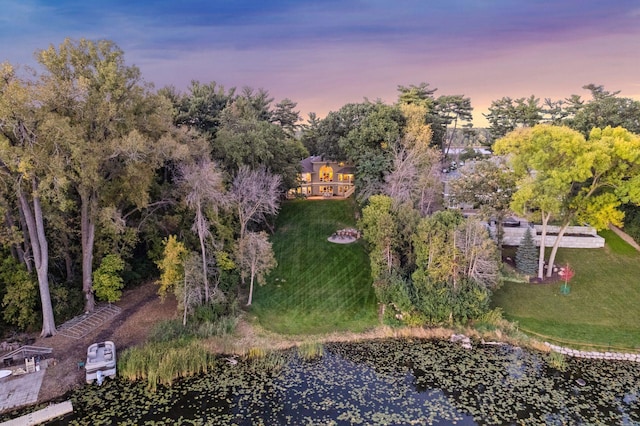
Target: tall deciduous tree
<point>415,176</point>
<point>171,265</point>
<point>247,138</point>
<point>563,175</point>
<point>451,249</point>
<point>180,271</point>
<point>205,195</point>
<point>456,266</point>
<point>380,230</point>
<point>118,128</point>
<point>255,259</point>
<point>28,164</point>
<point>480,254</point>
<point>334,127</point>
<point>371,145</point>
<point>547,160</point>
<point>612,160</point>
<point>255,195</point>
<point>190,293</point>
<point>437,255</point>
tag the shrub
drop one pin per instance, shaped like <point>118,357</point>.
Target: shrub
<point>169,330</point>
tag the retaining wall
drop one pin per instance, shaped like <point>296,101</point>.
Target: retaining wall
<point>593,354</point>
<point>588,238</point>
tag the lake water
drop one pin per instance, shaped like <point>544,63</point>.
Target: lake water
<point>388,382</point>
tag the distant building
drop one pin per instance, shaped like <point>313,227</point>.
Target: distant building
<point>323,178</point>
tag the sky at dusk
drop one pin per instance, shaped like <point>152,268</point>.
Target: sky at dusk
<point>323,54</point>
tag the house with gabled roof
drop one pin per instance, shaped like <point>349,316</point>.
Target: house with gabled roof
<point>324,178</point>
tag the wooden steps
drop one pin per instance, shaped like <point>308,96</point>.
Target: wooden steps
<point>82,325</point>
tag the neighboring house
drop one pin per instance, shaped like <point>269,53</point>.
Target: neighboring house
<point>514,228</point>
<point>323,178</point>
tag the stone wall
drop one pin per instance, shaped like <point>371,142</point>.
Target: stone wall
<point>588,237</point>
<point>593,354</point>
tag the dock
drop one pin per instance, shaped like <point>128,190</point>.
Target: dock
<point>41,416</point>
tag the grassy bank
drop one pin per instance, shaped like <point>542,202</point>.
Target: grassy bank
<point>601,309</point>
<point>318,286</point>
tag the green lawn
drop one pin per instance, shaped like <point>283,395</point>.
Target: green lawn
<point>602,308</point>
<point>318,286</point>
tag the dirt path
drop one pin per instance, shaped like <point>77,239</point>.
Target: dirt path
<point>141,309</point>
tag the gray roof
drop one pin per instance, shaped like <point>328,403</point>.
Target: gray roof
<point>307,164</point>
<point>347,170</point>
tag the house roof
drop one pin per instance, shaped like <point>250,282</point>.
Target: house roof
<point>347,170</point>
<point>307,164</point>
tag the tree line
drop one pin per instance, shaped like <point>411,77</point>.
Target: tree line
<point>106,182</point>
<point>98,171</point>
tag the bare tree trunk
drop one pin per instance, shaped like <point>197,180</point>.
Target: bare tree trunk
<point>201,225</point>
<point>250,291</point>
<point>455,269</point>
<point>184,303</point>
<point>554,250</point>
<point>450,141</point>
<point>27,249</point>
<point>35,227</point>
<point>87,230</point>
<point>205,281</point>
<point>543,237</point>
<point>500,215</point>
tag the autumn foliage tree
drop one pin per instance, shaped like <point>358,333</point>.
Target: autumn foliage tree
<point>572,179</point>
<point>415,175</point>
<point>171,265</point>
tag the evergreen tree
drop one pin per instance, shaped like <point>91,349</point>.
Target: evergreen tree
<point>527,255</point>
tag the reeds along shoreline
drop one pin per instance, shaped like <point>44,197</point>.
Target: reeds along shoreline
<point>163,362</point>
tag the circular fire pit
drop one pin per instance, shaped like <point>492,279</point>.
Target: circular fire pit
<point>344,236</point>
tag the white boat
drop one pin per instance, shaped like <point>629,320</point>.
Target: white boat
<point>101,361</point>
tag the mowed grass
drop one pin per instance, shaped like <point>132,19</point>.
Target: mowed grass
<point>602,308</point>
<point>318,286</point>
